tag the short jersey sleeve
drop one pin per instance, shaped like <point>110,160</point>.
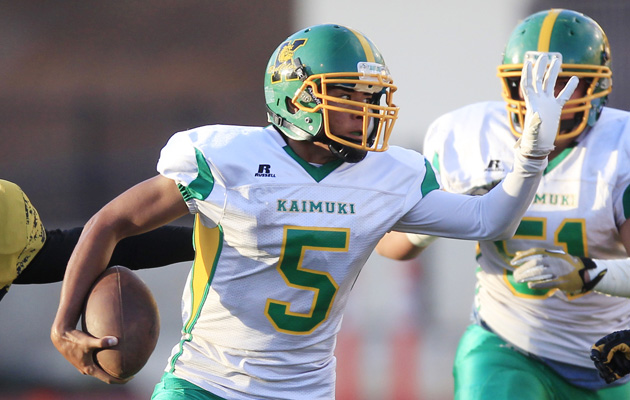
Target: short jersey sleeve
<point>623,205</point>
<point>620,121</point>
<point>184,160</point>
<point>621,191</point>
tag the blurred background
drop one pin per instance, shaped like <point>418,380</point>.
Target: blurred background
<point>90,91</point>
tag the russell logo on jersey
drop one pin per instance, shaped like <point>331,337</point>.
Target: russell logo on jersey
<point>264,171</point>
<point>494,165</point>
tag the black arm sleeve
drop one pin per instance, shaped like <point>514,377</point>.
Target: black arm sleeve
<point>163,246</point>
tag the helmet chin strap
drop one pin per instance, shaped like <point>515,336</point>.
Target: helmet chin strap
<point>342,152</point>
<point>568,124</point>
<point>345,153</point>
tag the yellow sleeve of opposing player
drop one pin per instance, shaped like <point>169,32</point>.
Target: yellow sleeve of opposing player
<point>22,234</point>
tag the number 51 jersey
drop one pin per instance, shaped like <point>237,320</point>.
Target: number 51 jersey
<point>279,244</point>
<point>581,202</point>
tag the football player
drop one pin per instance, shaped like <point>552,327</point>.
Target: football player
<point>29,253</point>
<point>286,216</point>
<point>532,341</point>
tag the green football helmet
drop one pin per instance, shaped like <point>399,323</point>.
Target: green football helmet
<point>297,79</point>
<point>584,50</point>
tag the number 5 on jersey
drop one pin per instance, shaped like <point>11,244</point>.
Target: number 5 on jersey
<point>297,240</point>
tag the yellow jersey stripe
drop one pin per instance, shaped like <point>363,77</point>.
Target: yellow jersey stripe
<point>544,38</point>
<point>208,247</point>
<point>369,55</point>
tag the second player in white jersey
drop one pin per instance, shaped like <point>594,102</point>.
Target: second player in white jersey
<point>535,317</point>
<point>580,204</point>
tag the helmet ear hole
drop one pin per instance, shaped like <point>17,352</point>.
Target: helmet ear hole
<point>289,105</point>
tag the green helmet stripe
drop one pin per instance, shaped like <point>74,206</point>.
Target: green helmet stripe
<point>367,48</point>
<point>544,39</point>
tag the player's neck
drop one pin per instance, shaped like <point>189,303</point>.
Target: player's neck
<point>560,146</point>
<point>311,152</point>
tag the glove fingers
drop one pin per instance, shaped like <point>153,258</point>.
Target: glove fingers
<point>540,69</point>
<point>537,275</point>
<point>532,271</point>
<point>549,283</point>
<point>615,341</point>
<point>606,373</point>
<point>618,349</point>
<point>525,256</point>
<point>620,363</point>
<point>551,75</point>
<point>526,79</point>
<point>596,354</point>
<point>568,89</point>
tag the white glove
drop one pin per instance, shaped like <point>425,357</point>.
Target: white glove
<point>543,108</point>
<point>554,269</point>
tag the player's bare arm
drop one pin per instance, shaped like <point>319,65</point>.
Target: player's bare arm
<point>403,246</point>
<point>144,207</point>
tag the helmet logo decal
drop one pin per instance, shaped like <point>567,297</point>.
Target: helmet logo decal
<point>284,67</point>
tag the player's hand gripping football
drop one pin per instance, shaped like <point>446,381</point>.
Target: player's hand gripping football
<point>554,269</point>
<point>543,107</point>
<point>611,355</point>
<point>78,347</point>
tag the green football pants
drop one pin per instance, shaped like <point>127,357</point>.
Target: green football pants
<point>486,367</point>
<point>173,388</point>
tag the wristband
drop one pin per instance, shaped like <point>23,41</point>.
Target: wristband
<point>616,282</point>
<point>420,240</point>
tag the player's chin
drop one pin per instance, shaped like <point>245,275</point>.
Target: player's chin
<point>354,138</point>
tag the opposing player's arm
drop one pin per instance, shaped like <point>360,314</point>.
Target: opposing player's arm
<point>146,206</point>
<point>165,245</point>
<point>403,246</point>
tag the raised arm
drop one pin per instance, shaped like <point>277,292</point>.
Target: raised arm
<point>146,206</point>
<point>496,215</point>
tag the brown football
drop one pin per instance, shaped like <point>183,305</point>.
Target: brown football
<point>120,304</point>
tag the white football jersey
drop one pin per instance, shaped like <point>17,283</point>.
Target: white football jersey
<point>581,202</point>
<point>279,245</point>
